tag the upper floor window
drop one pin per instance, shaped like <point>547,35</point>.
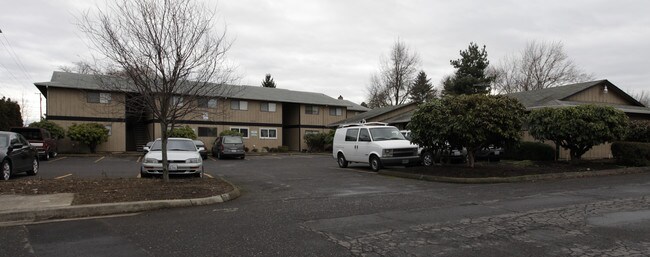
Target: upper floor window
<point>207,103</point>
<point>239,105</point>
<point>177,100</point>
<point>311,109</point>
<point>97,97</point>
<point>267,107</point>
<point>336,111</point>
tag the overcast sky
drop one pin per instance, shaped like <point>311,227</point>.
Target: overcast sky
<point>333,47</point>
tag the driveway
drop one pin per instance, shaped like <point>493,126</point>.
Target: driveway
<point>306,206</point>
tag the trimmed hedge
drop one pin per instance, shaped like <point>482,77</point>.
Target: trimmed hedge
<point>534,151</point>
<point>631,153</point>
<point>638,131</point>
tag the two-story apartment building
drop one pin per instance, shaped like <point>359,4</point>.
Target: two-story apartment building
<point>267,117</point>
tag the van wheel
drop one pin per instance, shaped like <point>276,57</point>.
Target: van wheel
<point>343,163</point>
<point>427,158</point>
<point>47,155</point>
<point>375,164</point>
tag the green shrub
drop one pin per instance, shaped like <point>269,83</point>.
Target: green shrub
<point>230,133</point>
<point>631,153</point>
<point>184,132</point>
<point>90,134</point>
<point>638,131</point>
<point>55,130</point>
<point>320,141</point>
<point>534,151</point>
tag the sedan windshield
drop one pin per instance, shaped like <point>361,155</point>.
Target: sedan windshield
<point>174,145</point>
<point>387,133</point>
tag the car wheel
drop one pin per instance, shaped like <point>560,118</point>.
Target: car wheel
<point>53,154</point>
<point>375,163</point>
<point>427,159</point>
<point>343,163</point>
<point>34,169</point>
<point>47,155</point>
<point>6,170</point>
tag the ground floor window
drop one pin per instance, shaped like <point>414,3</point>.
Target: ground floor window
<point>243,131</point>
<point>207,132</point>
<point>268,133</point>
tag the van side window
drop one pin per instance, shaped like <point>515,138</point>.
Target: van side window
<point>364,136</point>
<point>351,135</point>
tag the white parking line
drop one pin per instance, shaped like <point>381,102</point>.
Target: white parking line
<point>60,158</point>
<point>139,159</point>
<point>208,175</point>
<point>138,176</point>
<point>100,159</point>
<point>212,159</point>
<point>67,175</point>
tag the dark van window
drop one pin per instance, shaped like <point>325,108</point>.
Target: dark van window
<point>364,136</point>
<point>351,134</point>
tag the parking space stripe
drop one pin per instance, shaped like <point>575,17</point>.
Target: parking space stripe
<point>138,176</point>
<point>60,158</point>
<point>212,159</point>
<point>139,157</point>
<point>208,175</point>
<point>100,159</point>
<point>67,175</point>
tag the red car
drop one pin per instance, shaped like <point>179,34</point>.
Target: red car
<point>41,139</point>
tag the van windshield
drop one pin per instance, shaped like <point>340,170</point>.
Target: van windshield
<point>386,133</point>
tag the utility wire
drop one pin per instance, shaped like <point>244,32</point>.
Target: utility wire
<point>15,57</point>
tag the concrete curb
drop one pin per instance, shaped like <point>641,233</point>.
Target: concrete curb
<point>88,210</point>
<point>526,178</point>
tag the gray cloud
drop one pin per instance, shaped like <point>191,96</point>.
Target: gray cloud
<point>334,46</point>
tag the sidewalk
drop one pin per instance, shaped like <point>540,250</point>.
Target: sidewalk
<point>22,209</point>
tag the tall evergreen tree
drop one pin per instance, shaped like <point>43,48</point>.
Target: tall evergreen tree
<point>470,76</point>
<point>9,114</point>
<point>268,81</point>
<point>422,89</point>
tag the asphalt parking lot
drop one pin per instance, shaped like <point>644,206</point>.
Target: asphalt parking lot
<point>125,166</point>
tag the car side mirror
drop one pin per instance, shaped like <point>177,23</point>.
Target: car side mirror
<point>146,149</point>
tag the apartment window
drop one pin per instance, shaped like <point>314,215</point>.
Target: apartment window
<point>311,132</point>
<point>243,131</point>
<point>311,109</point>
<point>267,107</point>
<point>110,129</point>
<point>268,133</point>
<point>239,105</point>
<point>177,100</point>
<point>336,111</point>
<point>207,103</point>
<point>207,132</point>
<point>97,97</point>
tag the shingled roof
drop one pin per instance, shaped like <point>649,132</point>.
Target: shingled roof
<point>550,96</point>
<point>353,106</point>
<point>90,82</point>
<point>369,114</point>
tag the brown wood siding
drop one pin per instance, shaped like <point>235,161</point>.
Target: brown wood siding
<point>602,151</point>
<point>71,102</point>
<point>116,141</point>
<point>393,113</point>
<point>596,94</point>
<point>322,118</point>
<point>224,113</point>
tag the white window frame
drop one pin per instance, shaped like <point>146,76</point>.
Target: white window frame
<point>268,133</point>
<point>241,105</point>
<point>238,129</point>
<point>270,107</point>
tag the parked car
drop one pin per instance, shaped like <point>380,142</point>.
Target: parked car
<point>182,155</point>
<point>490,153</point>
<point>17,155</point>
<point>201,146</point>
<point>228,146</point>
<point>374,143</point>
<point>430,156</point>
<point>41,139</point>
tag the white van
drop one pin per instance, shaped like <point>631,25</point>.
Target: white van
<point>374,143</point>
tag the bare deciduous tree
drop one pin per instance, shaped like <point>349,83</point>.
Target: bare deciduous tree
<point>391,86</point>
<point>642,96</point>
<point>80,67</point>
<point>540,65</point>
<point>168,53</point>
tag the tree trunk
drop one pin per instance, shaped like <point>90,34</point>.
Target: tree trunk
<point>557,151</point>
<point>165,164</point>
<point>470,158</point>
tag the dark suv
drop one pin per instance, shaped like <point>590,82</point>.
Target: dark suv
<point>41,139</point>
<point>228,146</point>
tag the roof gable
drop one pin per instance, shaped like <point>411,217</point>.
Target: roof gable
<point>547,96</point>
